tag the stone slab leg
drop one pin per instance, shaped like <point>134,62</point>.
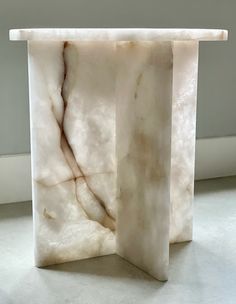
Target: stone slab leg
<point>72,112</point>
<point>143,130</point>
<point>184,100</point>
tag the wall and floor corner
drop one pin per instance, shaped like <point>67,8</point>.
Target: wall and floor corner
<point>216,124</point>
<point>215,157</point>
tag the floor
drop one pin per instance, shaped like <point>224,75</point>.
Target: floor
<point>201,272</point>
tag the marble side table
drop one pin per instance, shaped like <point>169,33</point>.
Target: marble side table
<point>113,115</point>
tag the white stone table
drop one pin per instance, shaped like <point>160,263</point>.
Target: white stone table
<point>113,115</point>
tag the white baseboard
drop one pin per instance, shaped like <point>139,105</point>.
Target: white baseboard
<point>15,178</point>
<point>215,157</point>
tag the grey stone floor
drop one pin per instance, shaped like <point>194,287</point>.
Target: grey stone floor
<point>203,271</point>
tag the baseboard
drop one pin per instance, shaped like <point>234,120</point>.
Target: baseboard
<point>215,157</point>
<point>15,178</point>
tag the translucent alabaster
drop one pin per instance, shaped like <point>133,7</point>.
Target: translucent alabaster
<point>113,114</point>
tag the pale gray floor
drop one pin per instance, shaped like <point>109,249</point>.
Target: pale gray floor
<point>203,271</point>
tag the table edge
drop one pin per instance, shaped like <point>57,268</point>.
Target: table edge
<point>116,34</point>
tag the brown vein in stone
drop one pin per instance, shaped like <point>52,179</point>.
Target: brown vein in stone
<point>71,179</point>
<point>98,198</point>
<point>47,215</point>
<point>138,81</point>
<point>68,147</point>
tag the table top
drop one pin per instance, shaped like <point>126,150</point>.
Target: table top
<point>118,34</point>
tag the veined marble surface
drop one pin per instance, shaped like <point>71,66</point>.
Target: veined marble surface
<point>144,153</point>
<point>73,149</point>
<point>112,141</point>
<point>184,99</point>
